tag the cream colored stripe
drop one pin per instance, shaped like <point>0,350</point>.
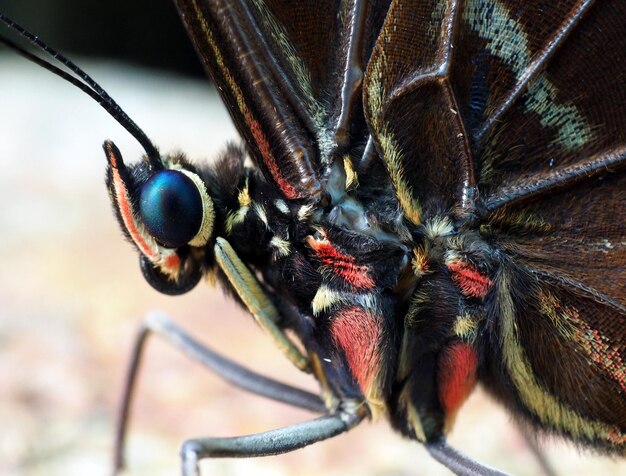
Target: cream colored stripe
<point>537,399</point>
<point>507,40</point>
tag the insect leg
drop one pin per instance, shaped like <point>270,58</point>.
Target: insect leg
<point>540,456</point>
<point>270,442</point>
<point>457,462</point>
<point>256,300</point>
<point>157,323</point>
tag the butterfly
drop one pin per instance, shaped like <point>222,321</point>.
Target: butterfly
<point>436,201</point>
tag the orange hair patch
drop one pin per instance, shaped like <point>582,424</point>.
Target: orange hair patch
<point>471,281</point>
<point>456,375</point>
<point>341,264</point>
<point>357,332</point>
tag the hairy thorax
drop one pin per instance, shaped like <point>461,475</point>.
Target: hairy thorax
<point>349,278</point>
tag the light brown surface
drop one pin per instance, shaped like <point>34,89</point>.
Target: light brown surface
<point>72,296</point>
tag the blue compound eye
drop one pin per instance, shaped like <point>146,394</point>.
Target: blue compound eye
<point>171,208</point>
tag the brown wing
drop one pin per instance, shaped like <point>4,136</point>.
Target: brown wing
<point>551,169</point>
<point>513,115</point>
<point>412,109</point>
<point>290,75</point>
<point>568,122</point>
<point>559,332</point>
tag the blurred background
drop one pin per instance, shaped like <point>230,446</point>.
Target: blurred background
<point>72,295</point>
<point>144,32</point>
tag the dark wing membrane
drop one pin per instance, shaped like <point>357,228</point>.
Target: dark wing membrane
<point>577,234</point>
<point>412,110</point>
<point>543,93</point>
<point>289,73</point>
<point>334,40</point>
<point>557,356</point>
<point>559,340</point>
<point>496,98</point>
<point>501,47</point>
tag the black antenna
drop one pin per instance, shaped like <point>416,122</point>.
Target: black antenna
<point>82,81</point>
